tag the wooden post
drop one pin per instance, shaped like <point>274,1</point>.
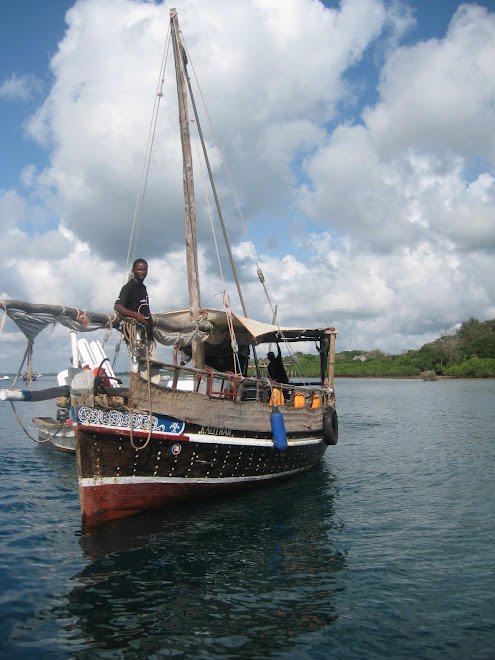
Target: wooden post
<point>332,334</point>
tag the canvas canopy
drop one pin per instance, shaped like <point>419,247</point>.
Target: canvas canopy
<point>222,351</point>
<point>170,327</point>
<point>247,331</point>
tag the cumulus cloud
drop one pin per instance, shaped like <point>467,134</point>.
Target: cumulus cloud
<point>382,222</point>
<point>264,89</point>
<point>438,95</point>
<point>19,88</point>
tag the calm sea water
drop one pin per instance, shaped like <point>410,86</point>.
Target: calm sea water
<point>385,550</point>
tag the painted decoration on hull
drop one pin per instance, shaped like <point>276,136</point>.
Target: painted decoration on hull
<point>119,420</point>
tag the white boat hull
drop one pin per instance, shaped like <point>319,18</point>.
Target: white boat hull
<point>59,434</point>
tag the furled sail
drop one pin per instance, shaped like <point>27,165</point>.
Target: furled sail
<point>31,319</point>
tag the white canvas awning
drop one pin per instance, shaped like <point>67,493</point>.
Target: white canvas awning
<point>248,331</point>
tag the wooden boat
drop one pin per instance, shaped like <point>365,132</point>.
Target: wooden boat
<point>58,432</point>
<point>156,444</point>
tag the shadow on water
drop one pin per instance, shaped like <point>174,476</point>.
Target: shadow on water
<point>241,576</point>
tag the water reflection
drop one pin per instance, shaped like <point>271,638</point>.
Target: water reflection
<point>234,578</point>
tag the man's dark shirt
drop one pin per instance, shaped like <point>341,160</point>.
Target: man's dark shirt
<point>134,296</point>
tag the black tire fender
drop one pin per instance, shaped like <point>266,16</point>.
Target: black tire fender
<point>330,426</point>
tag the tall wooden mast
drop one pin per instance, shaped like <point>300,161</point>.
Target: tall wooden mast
<point>190,205</point>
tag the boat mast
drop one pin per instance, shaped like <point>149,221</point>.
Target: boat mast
<point>190,206</point>
<point>214,190</point>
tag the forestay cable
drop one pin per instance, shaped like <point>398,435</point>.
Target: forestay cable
<point>138,211</point>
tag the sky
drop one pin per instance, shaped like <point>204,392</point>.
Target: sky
<point>358,136</point>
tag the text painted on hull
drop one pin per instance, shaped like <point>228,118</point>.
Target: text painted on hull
<point>214,430</point>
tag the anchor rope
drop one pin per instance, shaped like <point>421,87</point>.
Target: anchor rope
<point>22,425</point>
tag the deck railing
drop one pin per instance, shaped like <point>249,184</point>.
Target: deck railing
<point>232,386</point>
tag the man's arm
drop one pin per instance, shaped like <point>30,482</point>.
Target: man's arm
<point>120,309</point>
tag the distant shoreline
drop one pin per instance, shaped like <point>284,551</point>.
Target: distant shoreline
<point>418,378</point>
<point>310,378</point>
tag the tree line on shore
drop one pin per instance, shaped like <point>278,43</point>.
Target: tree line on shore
<point>467,352</point>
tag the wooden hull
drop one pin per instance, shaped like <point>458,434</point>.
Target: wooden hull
<point>118,480</point>
<point>193,446</point>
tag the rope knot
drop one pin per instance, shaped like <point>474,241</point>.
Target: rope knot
<point>83,318</point>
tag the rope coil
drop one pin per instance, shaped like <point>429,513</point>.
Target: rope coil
<point>135,342</point>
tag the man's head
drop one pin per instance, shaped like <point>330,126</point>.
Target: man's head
<point>140,269</point>
<point>270,355</point>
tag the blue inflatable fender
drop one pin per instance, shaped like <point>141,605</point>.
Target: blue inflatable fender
<point>278,429</point>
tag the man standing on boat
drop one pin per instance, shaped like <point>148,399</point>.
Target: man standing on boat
<point>276,369</point>
<point>133,303</point>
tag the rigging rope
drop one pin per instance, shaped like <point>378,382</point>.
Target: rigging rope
<point>262,279</point>
<point>3,318</point>
<point>28,354</point>
<point>259,271</point>
<point>226,299</point>
<point>147,160</point>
